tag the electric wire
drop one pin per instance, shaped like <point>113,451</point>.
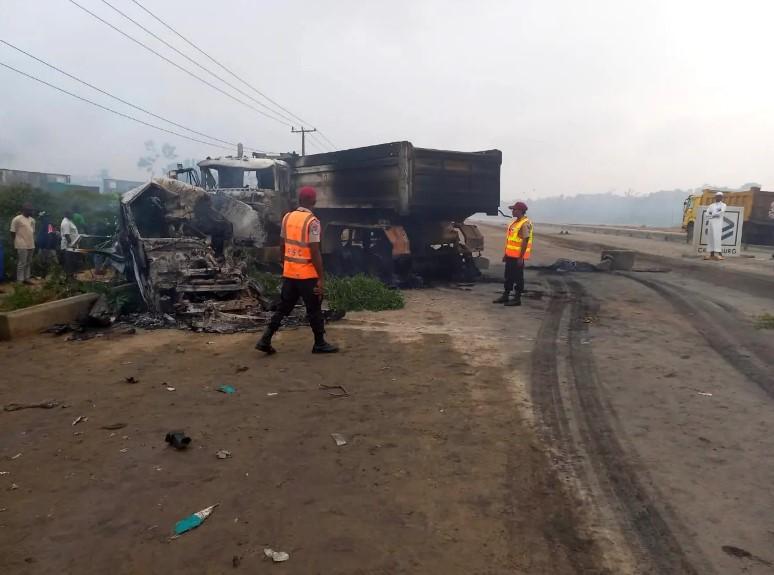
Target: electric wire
<point>175,64</point>
<point>229,71</point>
<point>108,94</point>
<point>127,116</point>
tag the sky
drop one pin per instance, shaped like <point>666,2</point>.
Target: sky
<point>581,96</point>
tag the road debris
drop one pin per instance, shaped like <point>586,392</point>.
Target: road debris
<point>17,456</point>
<point>114,426</point>
<point>131,379</point>
<point>124,450</point>
<point>242,369</point>
<point>170,388</point>
<point>272,394</point>
<point>276,556</point>
<point>704,393</point>
<point>223,454</point>
<point>13,487</point>
<point>178,439</point>
<point>227,389</point>
<point>335,390</point>
<point>339,439</point>
<point>193,521</point>
<point>42,405</point>
<point>80,418</point>
<point>5,472</point>
<point>236,561</point>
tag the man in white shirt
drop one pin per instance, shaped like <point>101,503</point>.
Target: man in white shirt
<point>23,236</point>
<point>69,233</point>
<point>715,213</point>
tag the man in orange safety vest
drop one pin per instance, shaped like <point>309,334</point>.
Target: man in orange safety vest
<point>302,273</point>
<point>518,249</point>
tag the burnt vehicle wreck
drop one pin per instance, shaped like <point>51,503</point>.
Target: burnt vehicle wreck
<point>186,249</point>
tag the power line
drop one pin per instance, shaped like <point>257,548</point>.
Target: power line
<point>195,63</point>
<point>223,66</point>
<point>127,116</point>
<point>175,64</point>
<point>108,94</point>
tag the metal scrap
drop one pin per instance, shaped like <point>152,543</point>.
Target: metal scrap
<point>41,405</point>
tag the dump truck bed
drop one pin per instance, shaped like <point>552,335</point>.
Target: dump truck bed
<point>400,179</point>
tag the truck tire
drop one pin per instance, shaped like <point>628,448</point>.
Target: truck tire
<point>689,233</point>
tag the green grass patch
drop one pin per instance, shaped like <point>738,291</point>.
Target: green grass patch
<point>766,321</point>
<point>360,293</point>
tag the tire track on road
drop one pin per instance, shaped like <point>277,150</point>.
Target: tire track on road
<point>727,336</point>
<point>649,534</point>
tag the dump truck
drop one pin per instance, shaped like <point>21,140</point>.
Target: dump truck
<point>758,227</point>
<point>392,210</point>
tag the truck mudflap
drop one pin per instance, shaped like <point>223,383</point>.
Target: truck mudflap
<point>473,237</point>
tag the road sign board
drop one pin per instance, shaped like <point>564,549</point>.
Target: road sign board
<point>731,240</point>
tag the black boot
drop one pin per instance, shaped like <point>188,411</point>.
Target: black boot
<point>502,299</point>
<point>515,301</point>
<point>264,344</point>
<point>322,346</point>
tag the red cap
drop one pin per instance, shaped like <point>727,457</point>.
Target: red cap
<point>307,194</point>
<point>521,206</point>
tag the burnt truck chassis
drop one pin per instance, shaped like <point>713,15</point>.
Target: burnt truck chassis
<point>391,210</point>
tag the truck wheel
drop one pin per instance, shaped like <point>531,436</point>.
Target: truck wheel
<point>689,233</point>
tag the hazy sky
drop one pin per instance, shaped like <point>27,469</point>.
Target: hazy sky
<point>580,95</point>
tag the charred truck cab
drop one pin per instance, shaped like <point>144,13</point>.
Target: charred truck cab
<point>391,210</point>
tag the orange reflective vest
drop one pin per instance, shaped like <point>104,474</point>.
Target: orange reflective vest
<point>297,262</point>
<point>513,239</point>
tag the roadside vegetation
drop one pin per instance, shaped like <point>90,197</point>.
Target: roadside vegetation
<point>766,321</point>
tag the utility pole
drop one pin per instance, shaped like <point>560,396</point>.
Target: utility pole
<point>303,133</point>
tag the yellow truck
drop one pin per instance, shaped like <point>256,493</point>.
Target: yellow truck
<point>758,227</point>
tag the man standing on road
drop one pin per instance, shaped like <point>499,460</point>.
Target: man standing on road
<point>302,273</point>
<point>518,248</point>
<point>69,232</point>
<point>715,213</point>
<point>23,237</point>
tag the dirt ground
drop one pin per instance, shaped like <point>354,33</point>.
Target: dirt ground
<point>616,425</point>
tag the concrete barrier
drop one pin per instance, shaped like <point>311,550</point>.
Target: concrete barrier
<point>34,319</point>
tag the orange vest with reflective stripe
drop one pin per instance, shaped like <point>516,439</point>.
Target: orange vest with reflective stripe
<point>298,255</point>
<point>513,239</point>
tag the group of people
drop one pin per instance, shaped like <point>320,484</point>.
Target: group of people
<point>27,237</point>
<point>302,273</point>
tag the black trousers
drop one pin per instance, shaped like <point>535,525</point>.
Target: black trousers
<point>514,275</point>
<point>292,290</point>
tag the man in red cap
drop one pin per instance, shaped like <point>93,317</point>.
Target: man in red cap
<point>518,249</point>
<point>302,273</point>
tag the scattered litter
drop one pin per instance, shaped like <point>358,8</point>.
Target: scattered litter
<point>242,368</point>
<point>14,486</point>
<point>180,349</point>
<point>236,561</point>
<point>228,389</point>
<point>704,393</point>
<point>210,342</point>
<point>276,556</point>
<point>114,426</point>
<point>177,439</point>
<point>335,390</point>
<point>339,439</point>
<point>170,388</point>
<point>223,454</point>
<point>80,418</point>
<point>42,405</point>
<point>17,456</point>
<point>272,394</point>
<point>124,450</point>
<point>131,379</point>
<point>4,472</point>
<point>193,521</point>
